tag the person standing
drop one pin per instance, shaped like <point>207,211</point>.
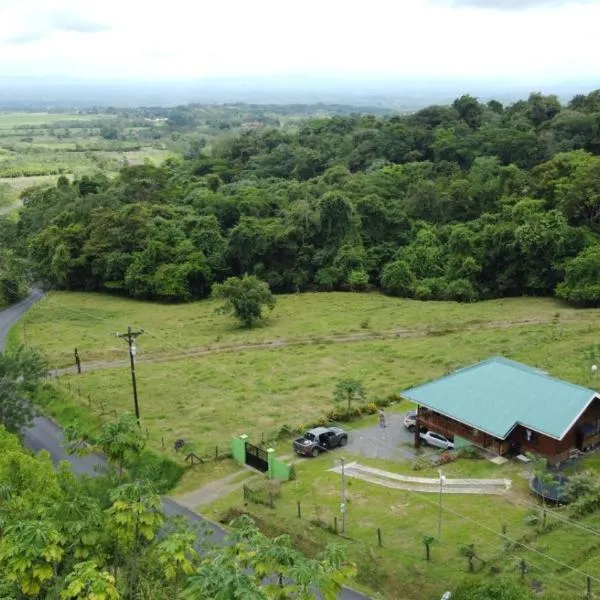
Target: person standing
<point>381,418</point>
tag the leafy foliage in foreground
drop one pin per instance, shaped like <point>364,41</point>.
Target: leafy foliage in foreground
<point>98,539</point>
<point>460,202</point>
<point>20,374</point>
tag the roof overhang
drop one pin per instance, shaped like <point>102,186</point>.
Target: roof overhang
<point>437,410</point>
<point>517,423</point>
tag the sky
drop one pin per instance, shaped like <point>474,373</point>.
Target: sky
<point>520,40</point>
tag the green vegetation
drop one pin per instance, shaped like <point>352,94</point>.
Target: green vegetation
<point>98,538</point>
<point>244,297</point>
<point>496,526</point>
<point>20,374</point>
<point>465,202</point>
<point>202,379</point>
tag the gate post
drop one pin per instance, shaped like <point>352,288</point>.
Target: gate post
<point>238,448</point>
<point>270,459</point>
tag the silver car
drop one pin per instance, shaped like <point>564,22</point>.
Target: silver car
<point>437,439</point>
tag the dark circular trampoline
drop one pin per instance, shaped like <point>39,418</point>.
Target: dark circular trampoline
<point>552,491</point>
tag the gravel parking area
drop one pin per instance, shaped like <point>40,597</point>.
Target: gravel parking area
<point>393,442</point>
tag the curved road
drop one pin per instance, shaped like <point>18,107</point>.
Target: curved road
<point>46,435</point>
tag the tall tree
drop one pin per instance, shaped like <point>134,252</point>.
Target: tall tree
<point>244,297</point>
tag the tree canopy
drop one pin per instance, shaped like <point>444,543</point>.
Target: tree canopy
<point>107,538</point>
<point>462,202</point>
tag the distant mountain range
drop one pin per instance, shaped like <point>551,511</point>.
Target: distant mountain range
<point>52,92</point>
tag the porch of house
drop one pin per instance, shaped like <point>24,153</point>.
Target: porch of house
<point>450,428</point>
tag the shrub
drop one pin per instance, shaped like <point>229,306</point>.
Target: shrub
<point>161,470</point>
<point>371,408</point>
<point>381,402</point>
<point>285,431</point>
<point>469,452</point>
<point>365,323</point>
<point>581,484</point>
<point>446,457</point>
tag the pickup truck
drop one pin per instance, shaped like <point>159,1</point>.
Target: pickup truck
<point>320,439</point>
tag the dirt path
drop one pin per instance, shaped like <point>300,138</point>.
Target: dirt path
<point>306,341</point>
<point>425,484</point>
<point>214,490</point>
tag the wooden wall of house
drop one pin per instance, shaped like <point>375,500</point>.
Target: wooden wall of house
<point>554,450</point>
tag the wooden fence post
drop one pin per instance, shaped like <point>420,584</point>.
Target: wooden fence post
<point>299,511</point>
<point>379,537</point>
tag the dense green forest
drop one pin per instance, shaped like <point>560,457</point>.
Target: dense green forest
<point>463,202</point>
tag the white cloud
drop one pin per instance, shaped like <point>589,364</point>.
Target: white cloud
<point>185,39</point>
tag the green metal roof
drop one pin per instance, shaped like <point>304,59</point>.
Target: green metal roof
<point>497,394</point>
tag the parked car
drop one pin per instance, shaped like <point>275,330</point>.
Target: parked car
<point>437,439</point>
<point>320,439</point>
<point>410,420</point>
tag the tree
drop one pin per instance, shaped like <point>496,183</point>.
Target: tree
<point>20,373</point>
<point>87,582</point>
<point>540,470</point>
<point>581,285</point>
<point>119,438</point>
<point>30,551</point>
<point>244,297</point>
<point>397,278</point>
<point>348,391</point>
<point>134,520</point>
<point>428,540</point>
<point>241,571</point>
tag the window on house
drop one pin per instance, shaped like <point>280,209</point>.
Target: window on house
<point>475,432</point>
<point>530,436</point>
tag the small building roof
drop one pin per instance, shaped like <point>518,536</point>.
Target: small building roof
<point>497,394</point>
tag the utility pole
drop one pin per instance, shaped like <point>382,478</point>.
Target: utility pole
<point>130,338</point>
<point>343,498</point>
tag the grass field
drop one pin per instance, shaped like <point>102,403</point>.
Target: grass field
<point>398,570</point>
<point>10,120</point>
<point>202,378</point>
<point>34,145</point>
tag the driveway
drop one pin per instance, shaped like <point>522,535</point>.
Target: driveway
<point>393,442</point>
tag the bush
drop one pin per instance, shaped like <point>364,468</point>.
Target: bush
<point>469,452</point>
<point>161,470</point>
<point>586,505</point>
<point>581,484</point>
<point>497,589</point>
<point>446,457</point>
<point>371,408</point>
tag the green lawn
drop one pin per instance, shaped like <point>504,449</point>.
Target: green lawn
<point>398,569</point>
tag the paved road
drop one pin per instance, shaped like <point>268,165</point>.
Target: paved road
<point>45,435</point>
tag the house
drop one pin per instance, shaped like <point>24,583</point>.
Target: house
<point>507,407</point>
